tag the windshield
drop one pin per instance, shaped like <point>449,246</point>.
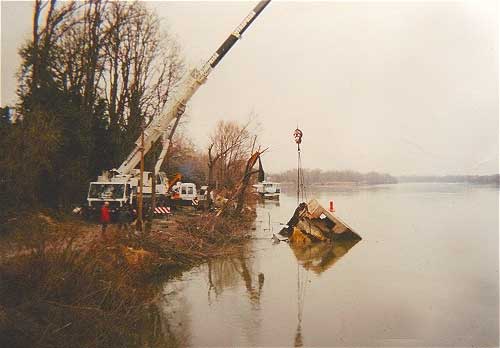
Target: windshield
<point>106,191</point>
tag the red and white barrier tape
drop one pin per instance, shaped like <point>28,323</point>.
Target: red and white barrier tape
<point>162,210</point>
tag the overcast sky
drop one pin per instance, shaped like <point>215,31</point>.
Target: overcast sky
<point>398,87</point>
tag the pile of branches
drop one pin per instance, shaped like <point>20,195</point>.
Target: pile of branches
<point>197,238</point>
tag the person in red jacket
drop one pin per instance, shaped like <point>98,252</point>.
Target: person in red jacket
<point>105,218</point>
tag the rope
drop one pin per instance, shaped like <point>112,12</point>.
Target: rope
<point>301,183</point>
<point>297,135</point>
<point>301,291</point>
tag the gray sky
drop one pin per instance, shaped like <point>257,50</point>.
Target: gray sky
<point>398,87</point>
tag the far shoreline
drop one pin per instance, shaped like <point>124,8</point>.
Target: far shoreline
<point>364,184</point>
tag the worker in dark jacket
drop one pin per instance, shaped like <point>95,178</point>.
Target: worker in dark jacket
<point>105,217</point>
<point>123,218</point>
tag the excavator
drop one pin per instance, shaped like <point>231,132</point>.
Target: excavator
<point>120,186</point>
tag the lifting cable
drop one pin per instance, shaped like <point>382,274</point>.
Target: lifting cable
<point>301,187</point>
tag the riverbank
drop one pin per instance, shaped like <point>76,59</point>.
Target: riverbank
<point>63,283</point>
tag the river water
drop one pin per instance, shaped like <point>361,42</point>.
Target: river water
<point>425,274</point>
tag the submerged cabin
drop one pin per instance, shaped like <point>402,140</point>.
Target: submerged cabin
<point>313,223</point>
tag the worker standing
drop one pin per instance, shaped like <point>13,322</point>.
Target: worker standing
<point>123,218</point>
<point>105,218</point>
<point>211,199</point>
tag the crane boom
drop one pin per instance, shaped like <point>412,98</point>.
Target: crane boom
<point>196,78</point>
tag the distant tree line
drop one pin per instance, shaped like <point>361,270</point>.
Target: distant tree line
<point>473,179</point>
<point>91,73</point>
<point>318,176</point>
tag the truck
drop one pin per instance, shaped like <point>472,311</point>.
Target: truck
<point>121,186</point>
<point>184,193</point>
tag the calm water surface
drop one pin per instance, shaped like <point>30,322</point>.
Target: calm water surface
<point>425,274</point>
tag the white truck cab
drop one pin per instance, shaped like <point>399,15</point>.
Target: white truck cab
<point>188,191</point>
<point>184,193</point>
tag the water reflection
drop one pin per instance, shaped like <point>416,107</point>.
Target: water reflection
<point>176,322</point>
<point>315,257</point>
<point>318,257</point>
<point>270,203</point>
<point>227,272</point>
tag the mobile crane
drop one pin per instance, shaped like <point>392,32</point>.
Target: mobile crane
<point>120,186</point>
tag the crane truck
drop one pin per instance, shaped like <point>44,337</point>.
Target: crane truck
<point>120,186</point>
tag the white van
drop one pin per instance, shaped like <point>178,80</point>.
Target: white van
<point>184,193</point>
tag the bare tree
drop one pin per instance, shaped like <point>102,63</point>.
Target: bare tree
<point>230,145</point>
<point>38,54</point>
<point>143,67</point>
<point>237,199</point>
<point>116,51</point>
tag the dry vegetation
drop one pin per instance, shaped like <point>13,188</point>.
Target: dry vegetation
<point>62,285</point>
